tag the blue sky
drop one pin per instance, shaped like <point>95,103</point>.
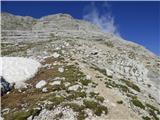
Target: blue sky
<point>134,21</point>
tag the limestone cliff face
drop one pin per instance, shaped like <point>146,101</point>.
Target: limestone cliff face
<point>133,71</point>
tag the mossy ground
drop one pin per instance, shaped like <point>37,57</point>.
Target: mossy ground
<point>131,85</point>
<point>96,107</point>
<point>146,118</point>
<point>22,115</point>
<point>153,111</point>
<point>138,103</point>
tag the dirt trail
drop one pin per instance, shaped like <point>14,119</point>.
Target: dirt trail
<point>120,111</point>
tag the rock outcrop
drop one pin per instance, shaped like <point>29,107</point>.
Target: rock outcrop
<point>5,86</point>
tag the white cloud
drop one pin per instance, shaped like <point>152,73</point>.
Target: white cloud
<point>104,21</point>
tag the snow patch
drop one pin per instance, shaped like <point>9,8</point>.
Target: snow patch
<point>18,69</point>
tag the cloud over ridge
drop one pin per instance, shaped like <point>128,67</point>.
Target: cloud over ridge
<point>105,21</point>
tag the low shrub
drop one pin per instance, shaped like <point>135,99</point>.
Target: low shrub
<point>120,102</point>
<point>138,103</point>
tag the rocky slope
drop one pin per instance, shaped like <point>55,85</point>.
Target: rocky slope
<point>88,74</point>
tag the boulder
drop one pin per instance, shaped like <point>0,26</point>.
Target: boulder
<point>56,55</point>
<point>44,90</point>
<point>74,87</point>
<point>5,86</point>
<point>109,73</point>
<point>88,77</point>
<point>41,84</point>
<point>61,69</point>
<point>56,83</point>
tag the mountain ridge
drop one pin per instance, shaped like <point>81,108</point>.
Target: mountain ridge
<point>51,16</point>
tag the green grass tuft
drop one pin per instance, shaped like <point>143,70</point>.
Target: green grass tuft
<point>85,82</point>
<point>76,107</point>
<point>152,107</point>
<point>138,103</point>
<point>120,102</point>
<point>123,88</point>
<point>152,113</point>
<point>131,85</point>
<point>75,95</point>
<point>93,94</point>
<point>100,98</point>
<point>56,100</point>
<point>146,118</point>
<point>96,107</point>
<point>22,115</point>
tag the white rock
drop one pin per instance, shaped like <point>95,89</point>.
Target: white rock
<point>61,69</point>
<point>88,77</point>
<point>55,63</point>
<point>6,110</point>
<point>59,78</point>
<point>58,48</point>
<point>66,84</point>
<point>55,83</point>
<point>44,90</point>
<point>106,101</point>
<point>1,118</point>
<point>19,90</point>
<point>109,73</point>
<point>89,112</point>
<point>68,114</point>
<point>113,104</point>
<point>41,83</point>
<point>66,44</point>
<point>74,87</point>
<point>63,52</point>
<point>56,55</point>
<point>30,117</point>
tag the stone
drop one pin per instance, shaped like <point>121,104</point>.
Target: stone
<point>66,84</point>
<point>20,85</point>
<point>41,83</point>
<point>55,83</point>
<point>56,55</point>
<point>88,77</point>
<point>5,86</point>
<point>74,87</point>
<point>44,90</point>
<point>109,73</point>
<point>61,69</point>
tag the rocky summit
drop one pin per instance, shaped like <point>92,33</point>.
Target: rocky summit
<point>85,74</point>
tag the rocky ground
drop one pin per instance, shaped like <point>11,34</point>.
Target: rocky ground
<point>85,73</point>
